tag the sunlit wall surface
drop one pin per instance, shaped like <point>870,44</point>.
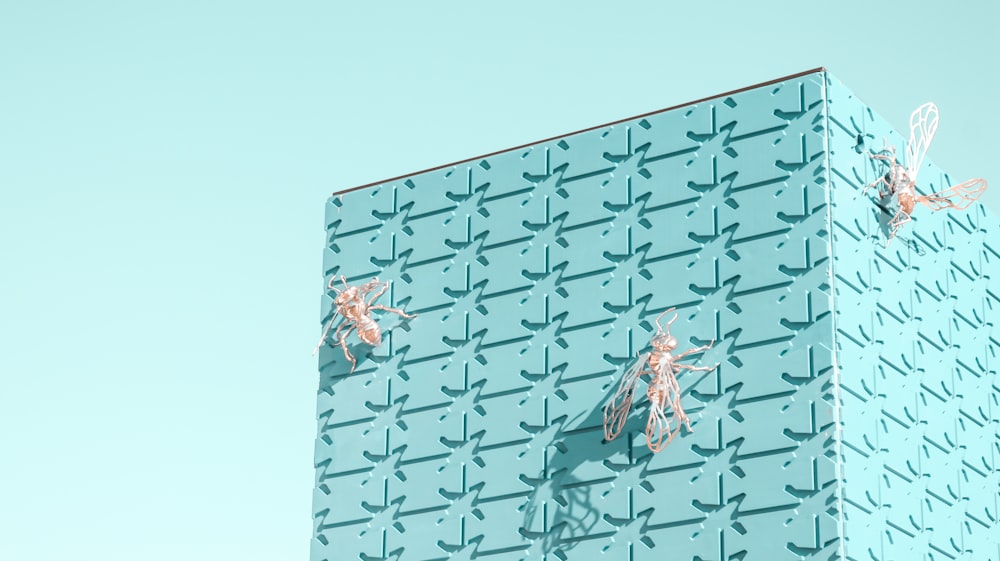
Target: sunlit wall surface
<point>917,356</point>
<point>475,429</point>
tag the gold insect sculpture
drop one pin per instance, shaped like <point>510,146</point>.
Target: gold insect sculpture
<point>901,180</point>
<point>663,390</point>
<point>357,313</point>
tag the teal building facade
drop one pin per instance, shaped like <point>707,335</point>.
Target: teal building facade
<point>855,411</point>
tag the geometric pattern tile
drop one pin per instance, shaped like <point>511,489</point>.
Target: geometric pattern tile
<point>853,412</point>
<point>916,344</point>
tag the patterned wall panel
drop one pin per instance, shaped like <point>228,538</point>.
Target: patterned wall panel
<point>475,429</point>
<point>916,343</point>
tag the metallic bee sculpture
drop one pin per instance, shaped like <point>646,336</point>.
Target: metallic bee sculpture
<point>662,389</point>
<point>351,305</point>
<point>901,180</point>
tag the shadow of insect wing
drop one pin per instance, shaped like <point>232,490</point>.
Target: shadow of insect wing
<point>958,197</point>
<point>616,411</point>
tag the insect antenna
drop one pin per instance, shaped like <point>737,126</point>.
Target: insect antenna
<point>669,323</point>
<point>332,285</point>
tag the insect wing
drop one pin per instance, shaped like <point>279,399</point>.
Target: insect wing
<point>616,411</point>
<point>658,432</point>
<point>923,125</point>
<point>958,197</point>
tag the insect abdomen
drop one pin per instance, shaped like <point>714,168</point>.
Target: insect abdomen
<point>368,331</point>
<point>906,202</point>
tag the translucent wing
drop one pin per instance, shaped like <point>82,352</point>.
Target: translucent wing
<point>665,393</point>
<point>616,411</point>
<point>658,433</point>
<point>958,197</point>
<point>923,125</point>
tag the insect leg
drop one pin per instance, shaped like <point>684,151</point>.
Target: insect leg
<point>342,342</point>
<point>891,159</point>
<point>697,368</point>
<point>393,310</point>
<point>695,350</point>
<point>382,287</point>
<point>896,222</point>
<point>340,328</point>
<point>880,181</point>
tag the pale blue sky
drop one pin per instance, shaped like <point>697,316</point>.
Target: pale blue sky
<point>163,172</point>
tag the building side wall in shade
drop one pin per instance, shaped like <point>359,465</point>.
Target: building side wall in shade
<point>916,345</point>
<point>474,430</point>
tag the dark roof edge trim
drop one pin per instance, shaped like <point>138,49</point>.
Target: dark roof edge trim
<point>601,126</point>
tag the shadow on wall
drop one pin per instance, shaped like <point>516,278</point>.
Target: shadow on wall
<point>572,500</point>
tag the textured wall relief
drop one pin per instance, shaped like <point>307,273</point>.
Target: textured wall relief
<point>476,429</point>
<point>917,354</point>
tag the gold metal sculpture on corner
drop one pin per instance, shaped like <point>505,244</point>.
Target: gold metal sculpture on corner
<point>663,390</point>
<point>901,180</point>
<point>351,304</point>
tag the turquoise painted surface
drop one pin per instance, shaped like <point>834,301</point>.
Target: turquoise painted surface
<point>474,431</point>
<point>916,341</point>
